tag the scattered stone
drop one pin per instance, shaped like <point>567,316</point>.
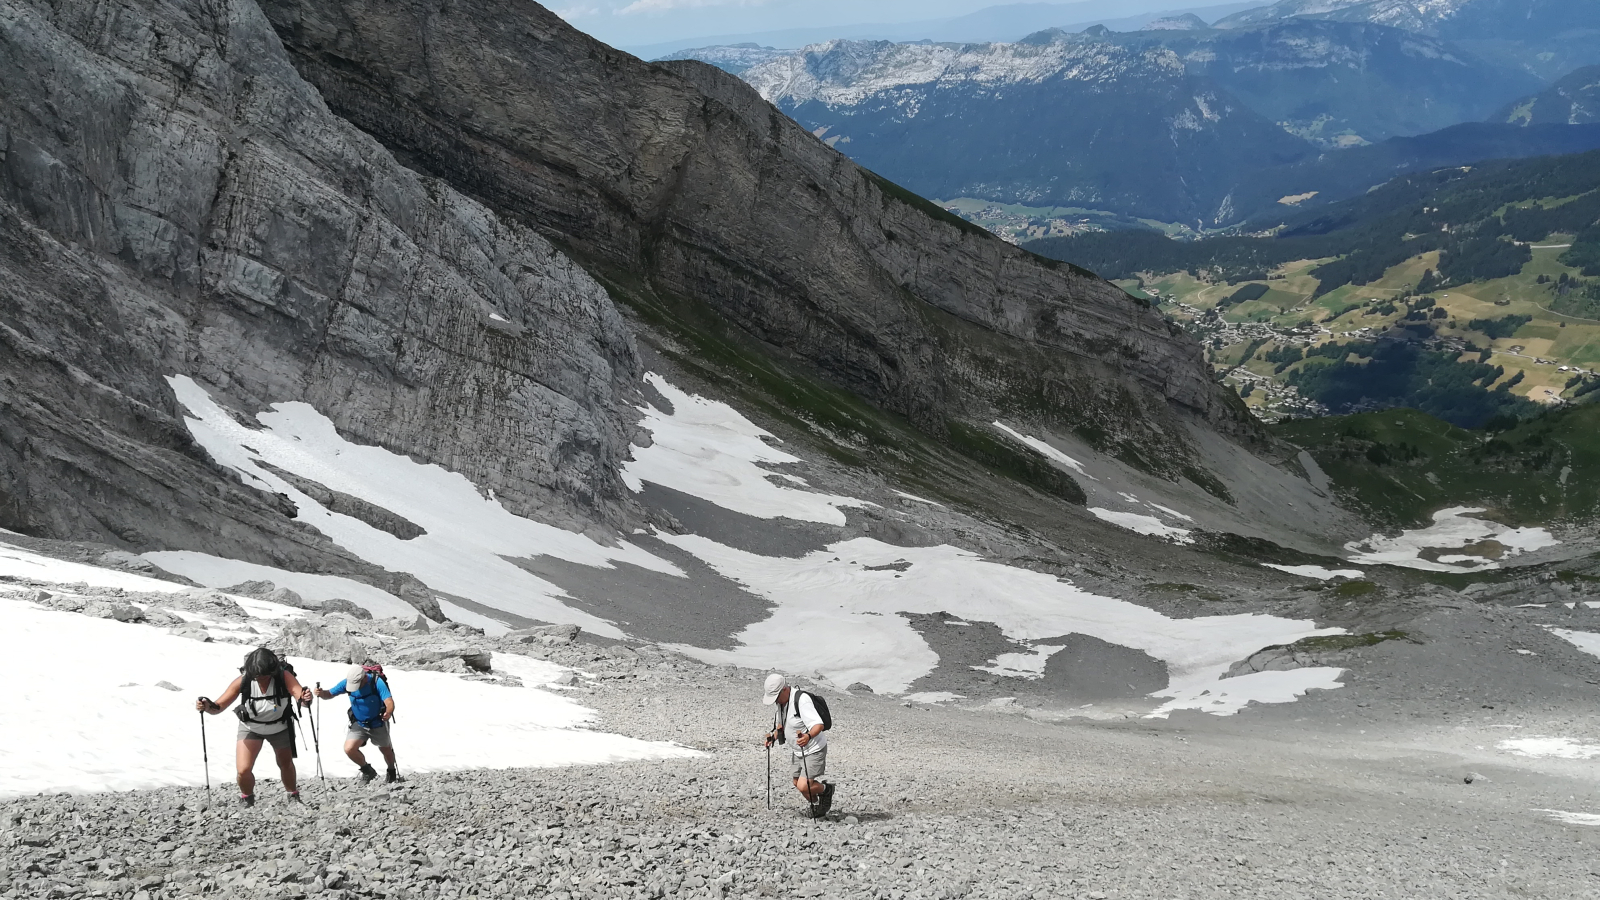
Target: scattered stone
<point>168,686</point>
<point>341,605</point>
<point>548,635</point>
<point>860,688</point>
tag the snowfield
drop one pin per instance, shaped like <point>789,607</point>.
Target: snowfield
<point>469,536</point>
<point>709,450</point>
<point>1458,529</point>
<point>106,705</point>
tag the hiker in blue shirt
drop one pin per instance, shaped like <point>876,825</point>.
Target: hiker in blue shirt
<point>371,708</point>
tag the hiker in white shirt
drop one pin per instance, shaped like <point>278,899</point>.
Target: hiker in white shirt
<point>797,722</point>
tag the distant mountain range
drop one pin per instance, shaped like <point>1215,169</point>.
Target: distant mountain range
<point>1002,23</point>
<point>1060,121</point>
<point>1547,38</point>
<point>1183,122</point>
<point>1574,100</point>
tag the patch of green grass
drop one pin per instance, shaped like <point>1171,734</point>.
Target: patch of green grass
<point>1426,464</point>
<point>1020,463</point>
<point>1350,589</point>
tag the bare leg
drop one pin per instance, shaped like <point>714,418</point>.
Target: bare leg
<point>286,768</point>
<point>352,749</point>
<point>810,788</point>
<point>245,757</point>
<point>388,755</point>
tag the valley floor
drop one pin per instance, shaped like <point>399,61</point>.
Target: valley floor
<point>1319,799</point>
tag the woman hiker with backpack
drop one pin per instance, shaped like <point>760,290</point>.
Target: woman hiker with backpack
<point>267,691</point>
<point>371,708</point>
<point>803,718</point>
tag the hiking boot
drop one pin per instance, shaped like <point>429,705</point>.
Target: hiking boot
<point>393,777</point>
<point>368,774</point>
<point>826,803</point>
<point>247,800</point>
<point>294,796</point>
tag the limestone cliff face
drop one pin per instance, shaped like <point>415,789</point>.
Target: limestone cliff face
<point>174,198</point>
<point>681,176</point>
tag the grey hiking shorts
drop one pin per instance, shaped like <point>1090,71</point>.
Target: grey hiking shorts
<point>811,765</point>
<point>279,739</point>
<point>361,734</point>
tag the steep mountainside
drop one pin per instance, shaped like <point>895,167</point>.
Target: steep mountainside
<point>1574,100</point>
<point>1060,120</point>
<point>197,246</point>
<point>176,200</point>
<point>677,181</point>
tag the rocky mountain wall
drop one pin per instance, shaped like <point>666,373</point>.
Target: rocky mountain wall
<point>680,180</point>
<point>174,199</point>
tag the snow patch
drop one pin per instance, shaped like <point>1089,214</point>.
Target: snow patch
<point>1587,641</point>
<point>1043,449</point>
<point>917,499</point>
<point>1452,529</point>
<point>469,537</point>
<point>1549,748</point>
<point>1318,572</point>
<point>1228,696</point>
<point>707,449</point>
<point>1572,818</point>
<point>1022,665</point>
<point>141,736</point>
<point>833,592</point>
<point>1148,525</point>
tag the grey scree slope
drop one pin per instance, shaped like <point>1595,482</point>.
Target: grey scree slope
<point>933,803</point>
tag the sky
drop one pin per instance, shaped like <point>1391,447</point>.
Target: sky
<point>633,23</point>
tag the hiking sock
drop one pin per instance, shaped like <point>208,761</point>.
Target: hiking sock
<point>247,799</point>
<point>368,773</point>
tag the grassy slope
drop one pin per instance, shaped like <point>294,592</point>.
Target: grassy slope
<point>1538,349</point>
<point>1544,470</point>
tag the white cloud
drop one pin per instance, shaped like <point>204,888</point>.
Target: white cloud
<point>580,11</point>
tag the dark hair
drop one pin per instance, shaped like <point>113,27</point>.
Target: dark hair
<point>262,662</point>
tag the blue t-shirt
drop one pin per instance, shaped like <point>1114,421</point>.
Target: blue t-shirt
<point>366,703</point>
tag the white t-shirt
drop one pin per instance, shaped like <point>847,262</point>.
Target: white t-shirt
<point>803,717</point>
<point>263,708</point>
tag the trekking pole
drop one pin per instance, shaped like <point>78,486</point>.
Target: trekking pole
<point>769,774</point>
<point>205,749</point>
<point>316,739</point>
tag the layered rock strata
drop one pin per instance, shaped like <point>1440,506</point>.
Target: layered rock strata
<point>175,199</point>
<point>680,178</point>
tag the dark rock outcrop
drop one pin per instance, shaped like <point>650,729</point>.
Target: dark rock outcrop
<point>678,179</point>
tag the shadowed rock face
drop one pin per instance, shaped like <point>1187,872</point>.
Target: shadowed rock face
<point>174,199</point>
<point>677,179</point>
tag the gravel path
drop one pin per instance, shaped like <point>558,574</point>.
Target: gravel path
<point>932,803</point>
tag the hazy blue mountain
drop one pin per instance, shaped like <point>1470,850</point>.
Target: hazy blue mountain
<point>1574,100</point>
<point>1344,83</point>
<point>1057,120</point>
<point>1545,37</point>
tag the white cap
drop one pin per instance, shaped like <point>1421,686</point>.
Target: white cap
<point>352,678</point>
<point>775,685</point>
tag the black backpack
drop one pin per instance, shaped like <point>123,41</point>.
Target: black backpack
<point>818,702</point>
<point>279,691</point>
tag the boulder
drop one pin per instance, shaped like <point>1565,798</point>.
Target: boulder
<point>437,657</point>
<point>286,597</point>
<point>341,605</point>
<point>192,630</point>
<point>326,638</point>
<point>257,589</point>
<point>548,635</point>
